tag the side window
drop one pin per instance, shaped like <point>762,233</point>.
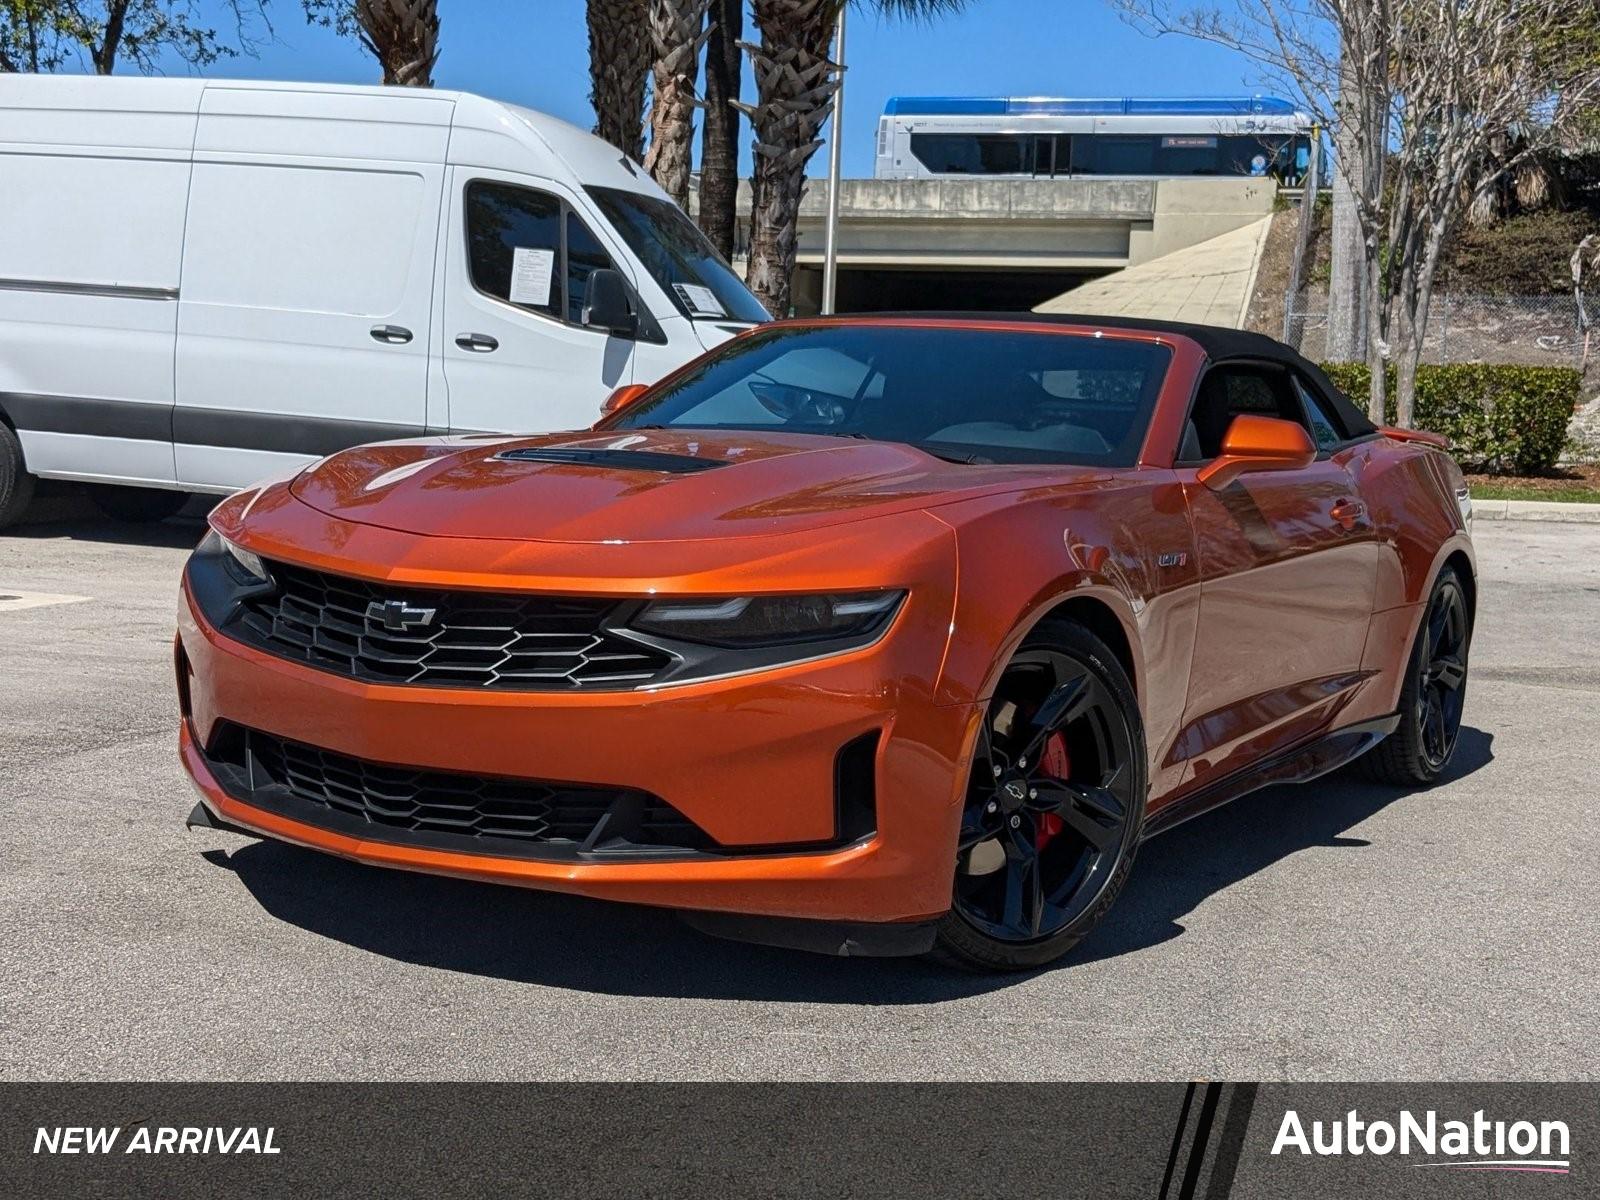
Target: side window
<point>501,221</point>
<point>974,154</point>
<point>1230,391</point>
<point>585,255</point>
<point>518,238</point>
<point>1324,432</point>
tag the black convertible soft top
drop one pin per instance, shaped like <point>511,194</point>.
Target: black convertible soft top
<point>1220,344</point>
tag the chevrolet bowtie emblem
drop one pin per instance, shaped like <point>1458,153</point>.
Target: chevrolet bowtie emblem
<point>397,616</point>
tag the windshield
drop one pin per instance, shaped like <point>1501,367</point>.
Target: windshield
<point>970,395</point>
<point>679,257</point>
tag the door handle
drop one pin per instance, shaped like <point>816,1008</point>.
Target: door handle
<point>480,343</point>
<point>1348,512</point>
<point>395,335</point>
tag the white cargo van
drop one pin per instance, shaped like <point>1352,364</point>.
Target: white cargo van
<point>203,283</point>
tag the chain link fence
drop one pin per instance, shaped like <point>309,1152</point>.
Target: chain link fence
<point>1538,331</point>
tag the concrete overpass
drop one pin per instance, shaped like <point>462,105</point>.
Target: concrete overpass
<point>1000,243</point>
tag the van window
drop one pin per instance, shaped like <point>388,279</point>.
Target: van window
<point>585,255</point>
<point>502,219</point>
<point>678,257</point>
<point>299,238</point>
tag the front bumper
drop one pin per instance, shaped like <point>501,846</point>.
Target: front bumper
<point>750,760</point>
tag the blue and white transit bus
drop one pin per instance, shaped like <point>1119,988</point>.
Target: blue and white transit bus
<point>1042,138</point>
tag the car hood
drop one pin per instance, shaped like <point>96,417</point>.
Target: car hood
<point>640,485</point>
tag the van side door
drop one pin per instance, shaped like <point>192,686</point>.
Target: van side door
<point>516,355</point>
<point>308,263</point>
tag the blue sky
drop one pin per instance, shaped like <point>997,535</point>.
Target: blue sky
<point>535,52</point>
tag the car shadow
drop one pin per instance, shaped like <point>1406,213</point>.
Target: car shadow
<point>552,940</point>
<point>177,533</point>
<point>63,510</point>
<point>1177,871</point>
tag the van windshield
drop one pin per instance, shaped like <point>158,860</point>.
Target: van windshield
<point>679,257</point>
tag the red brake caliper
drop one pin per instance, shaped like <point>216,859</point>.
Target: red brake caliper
<point>1055,764</point>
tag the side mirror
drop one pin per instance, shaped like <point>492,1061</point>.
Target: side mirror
<point>622,397</point>
<point>606,304</point>
<point>1255,443</point>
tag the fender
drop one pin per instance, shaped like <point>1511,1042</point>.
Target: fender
<point>1125,542</point>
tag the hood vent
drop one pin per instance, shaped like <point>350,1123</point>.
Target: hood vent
<point>626,460</point>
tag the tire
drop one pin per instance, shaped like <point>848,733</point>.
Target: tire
<point>16,485</point>
<point>136,505</point>
<point>1431,700</point>
<point>1089,779</point>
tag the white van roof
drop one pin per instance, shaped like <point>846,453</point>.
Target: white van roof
<point>149,114</point>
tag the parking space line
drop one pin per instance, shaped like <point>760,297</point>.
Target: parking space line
<point>14,601</point>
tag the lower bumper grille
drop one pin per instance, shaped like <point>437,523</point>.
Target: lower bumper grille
<point>443,809</point>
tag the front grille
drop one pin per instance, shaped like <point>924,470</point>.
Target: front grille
<point>385,634</point>
<point>442,809</point>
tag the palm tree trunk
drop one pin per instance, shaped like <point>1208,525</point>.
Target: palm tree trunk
<point>795,85</point>
<point>719,137</point>
<point>619,65</point>
<point>677,29</point>
<point>403,35</point>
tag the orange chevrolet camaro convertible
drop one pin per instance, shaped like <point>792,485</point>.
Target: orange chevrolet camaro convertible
<point>872,636</point>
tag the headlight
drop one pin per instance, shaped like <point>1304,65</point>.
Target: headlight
<point>244,565</point>
<point>1464,503</point>
<point>748,622</point>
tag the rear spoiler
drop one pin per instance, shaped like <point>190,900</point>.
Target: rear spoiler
<point>1415,435</point>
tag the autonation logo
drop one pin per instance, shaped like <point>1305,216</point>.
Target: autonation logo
<point>1476,1145</point>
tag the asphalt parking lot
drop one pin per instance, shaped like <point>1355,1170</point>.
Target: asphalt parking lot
<point>1339,930</point>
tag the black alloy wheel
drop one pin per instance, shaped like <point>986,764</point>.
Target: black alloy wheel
<point>1054,805</point>
<point>1434,693</point>
<point>1444,675</point>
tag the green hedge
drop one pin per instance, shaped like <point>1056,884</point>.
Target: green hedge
<point>1497,417</point>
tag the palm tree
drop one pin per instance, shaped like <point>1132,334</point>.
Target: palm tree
<point>403,35</point>
<point>619,65</point>
<point>719,135</point>
<point>795,85</point>
<point>677,31</point>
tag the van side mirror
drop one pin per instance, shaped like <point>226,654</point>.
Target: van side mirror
<point>1255,443</point>
<point>606,304</point>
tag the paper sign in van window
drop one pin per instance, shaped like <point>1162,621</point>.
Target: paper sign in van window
<point>700,301</point>
<point>531,274</point>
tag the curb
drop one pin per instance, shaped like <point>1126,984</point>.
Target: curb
<point>1535,510</point>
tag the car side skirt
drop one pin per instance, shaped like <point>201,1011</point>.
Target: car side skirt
<point>1298,764</point>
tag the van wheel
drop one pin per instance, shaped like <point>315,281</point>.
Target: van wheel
<point>16,485</point>
<point>136,505</point>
